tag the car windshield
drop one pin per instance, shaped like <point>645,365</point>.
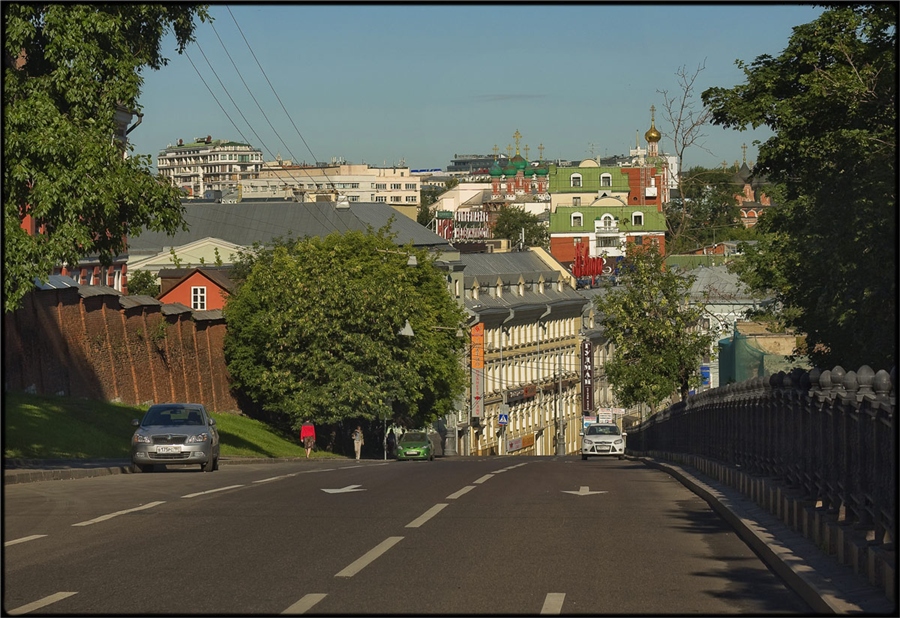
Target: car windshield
<point>413,436</point>
<point>603,430</point>
<point>172,415</point>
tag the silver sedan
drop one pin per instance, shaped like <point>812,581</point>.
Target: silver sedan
<point>175,433</point>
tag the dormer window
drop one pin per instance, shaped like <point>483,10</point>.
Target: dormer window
<point>605,180</point>
<point>575,180</point>
<point>637,218</point>
<point>521,288</point>
<point>577,220</point>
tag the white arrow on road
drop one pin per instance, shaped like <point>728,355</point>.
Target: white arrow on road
<point>583,491</point>
<point>344,490</point>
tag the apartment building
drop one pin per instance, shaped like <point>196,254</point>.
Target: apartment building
<point>358,182</point>
<point>205,166</point>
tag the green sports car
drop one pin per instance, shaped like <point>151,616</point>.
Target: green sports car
<point>415,445</point>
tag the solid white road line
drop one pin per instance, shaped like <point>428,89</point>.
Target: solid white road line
<point>421,519</point>
<point>369,556</point>
<point>30,607</point>
<point>461,492</point>
<point>117,513</point>
<point>553,603</point>
<point>305,604</point>
<point>271,478</point>
<point>211,491</point>
<point>483,479</point>
<point>24,539</point>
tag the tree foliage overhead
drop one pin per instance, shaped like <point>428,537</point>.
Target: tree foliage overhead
<point>512,220</point>
<point>647,317</point>
<point>313,331</point>
<point>67,68</point>
<point>142,282</point>
<point>829,248</point>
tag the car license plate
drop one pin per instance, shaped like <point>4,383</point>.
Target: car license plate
<point>411,453</point>
<point>603,447</point>
<point>163,449</point>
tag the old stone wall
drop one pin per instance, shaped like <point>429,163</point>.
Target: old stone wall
<point>66,343</point>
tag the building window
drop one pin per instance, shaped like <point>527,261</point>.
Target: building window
<point>576,201</point>
<point>577,220</point>
<point>410,186</point>
<point>395,185</point>
<point>608,242</point>
<point>605,180</point>
<point>639,240</point>
<point>637,219</point>
<point>396,198</point>
<point>411,198</point>
<point>353,198</point>
<point>380,185</point>
<point>198,297</point>
<point>575,180</point>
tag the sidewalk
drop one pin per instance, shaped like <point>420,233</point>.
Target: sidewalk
<point>820,580</point>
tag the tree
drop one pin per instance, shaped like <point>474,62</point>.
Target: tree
<point>512,220</point>
<point>828,252</point>
<point>647,317</point>
<point>705,211</point>
<point>312,331</point>
<point>68,68</point>
<point>142,282</point>
<point>687,123</point>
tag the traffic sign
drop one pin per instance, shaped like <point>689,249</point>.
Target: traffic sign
<point>503,419</point>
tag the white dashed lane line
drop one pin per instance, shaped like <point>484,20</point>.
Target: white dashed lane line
<point>24,539</point>
<point>361,563</point>
<point>483,479</point>
<point>421,519</point>
<point>30,607</point>
<point>305,604</point>
<point>211,491</point>
<point>553,603</point>
<point>461,492</point>
<point>117,513</point>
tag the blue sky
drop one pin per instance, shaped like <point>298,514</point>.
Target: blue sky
<point>420,83</point>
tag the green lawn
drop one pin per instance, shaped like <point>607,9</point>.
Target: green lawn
<point>47,427</point>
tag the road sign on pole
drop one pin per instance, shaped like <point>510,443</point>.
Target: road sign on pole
<point>503,419</point>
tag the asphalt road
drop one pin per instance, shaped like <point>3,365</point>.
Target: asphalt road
<point>523,535</point>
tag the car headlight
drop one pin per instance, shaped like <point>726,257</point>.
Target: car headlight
<point>200,437</point>
<point>140,439</point>
<point>619,441</point>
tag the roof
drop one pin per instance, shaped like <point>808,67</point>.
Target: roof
<point>722,286</point>
<point>219,276</point>
<point>249,222</point>
<point>653,220</point>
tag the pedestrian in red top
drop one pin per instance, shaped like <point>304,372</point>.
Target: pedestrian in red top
<point>308,436</point>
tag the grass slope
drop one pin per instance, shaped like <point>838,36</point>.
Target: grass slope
<point>46,427</point>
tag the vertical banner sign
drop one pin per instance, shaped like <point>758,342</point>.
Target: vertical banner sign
<point>477,354</point>
<point>587,377</point>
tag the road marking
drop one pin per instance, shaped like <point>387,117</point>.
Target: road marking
<point>553,603</point>
<point>211,491</point>
<point>483,479</point>
<point>500,470</point>
<point>304,604</point>
<point>421,519</point>
<point>369,557</point>
<point>344,490</point>
<point>30,607</point>
<point>117,513</point>
<point>583,491</point>
<point>271,478</point>
<point>24,539</point>
<point>461,492</point>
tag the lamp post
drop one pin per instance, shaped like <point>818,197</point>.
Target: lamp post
<point>450,435</point>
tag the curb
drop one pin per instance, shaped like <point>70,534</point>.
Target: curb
<point>821,582</point>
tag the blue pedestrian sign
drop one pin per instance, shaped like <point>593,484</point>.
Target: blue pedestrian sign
<point>503,419</point>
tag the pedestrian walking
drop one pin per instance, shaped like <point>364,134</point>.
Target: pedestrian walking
<point>358,441</point>
<point>308,436</point>
<point>391,443</point>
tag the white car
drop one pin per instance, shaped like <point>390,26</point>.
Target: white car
<point>602,440</point>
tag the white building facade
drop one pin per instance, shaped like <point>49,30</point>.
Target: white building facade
<point>205,165</point>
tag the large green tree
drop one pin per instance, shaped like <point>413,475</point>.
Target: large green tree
<point>68,68</point>
<point>654,328</point>
<point>829,251</point>
<point>512,221</point>
<point>313,331</point>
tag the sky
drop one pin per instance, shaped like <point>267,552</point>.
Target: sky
<point>419,84</point>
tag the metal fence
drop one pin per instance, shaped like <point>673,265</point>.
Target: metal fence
<point>830,435</point>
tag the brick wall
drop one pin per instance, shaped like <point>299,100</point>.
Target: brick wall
<point>61,343</point>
